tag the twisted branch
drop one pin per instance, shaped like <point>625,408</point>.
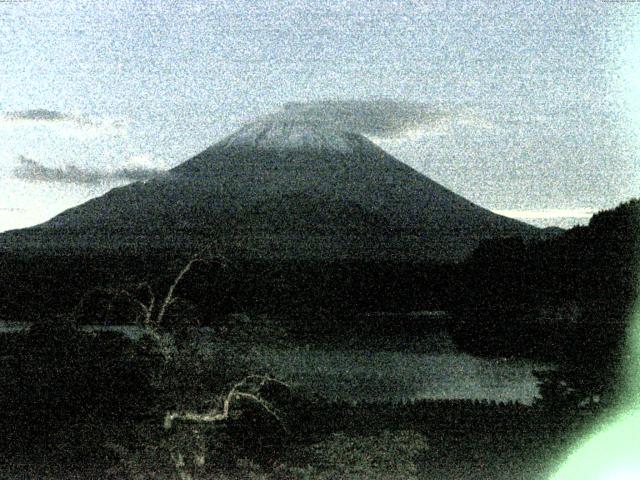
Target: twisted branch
<point>169,298</point>
<point>216,416</point>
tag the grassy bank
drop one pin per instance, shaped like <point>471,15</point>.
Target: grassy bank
<point>92,404</point>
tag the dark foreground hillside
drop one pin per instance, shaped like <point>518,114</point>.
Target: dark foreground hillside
<point>87,405</point>
<point>39,285</point>
<point>102,405</point>
<point>567,299</point>
<point>306,214</point>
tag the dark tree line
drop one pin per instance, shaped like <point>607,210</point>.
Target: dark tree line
<point>39,285</point>
<point>567,299</point>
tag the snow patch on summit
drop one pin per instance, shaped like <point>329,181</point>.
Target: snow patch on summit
<point>282,136</point>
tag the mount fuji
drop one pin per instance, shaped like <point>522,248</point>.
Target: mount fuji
<point>280,188</point>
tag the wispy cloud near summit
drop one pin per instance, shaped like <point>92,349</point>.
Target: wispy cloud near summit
<point>380,118</point>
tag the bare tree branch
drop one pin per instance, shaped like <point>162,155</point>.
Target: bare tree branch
<point>147,310</point>
<point>169,298</point>
<point>234,394</point>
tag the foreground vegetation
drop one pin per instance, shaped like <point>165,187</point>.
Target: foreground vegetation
<point>96,404</point>
<point>567,299</point>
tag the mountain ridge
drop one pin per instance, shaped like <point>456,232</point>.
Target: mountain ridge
<point>284,188</point>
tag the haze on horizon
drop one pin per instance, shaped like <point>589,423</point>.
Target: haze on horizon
<point>530,110</point>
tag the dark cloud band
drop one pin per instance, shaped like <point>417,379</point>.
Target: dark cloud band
<point>38,115</point>
<point>53,118</point>
<point>33,171</point>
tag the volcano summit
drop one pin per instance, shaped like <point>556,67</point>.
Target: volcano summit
<point>281,189</point>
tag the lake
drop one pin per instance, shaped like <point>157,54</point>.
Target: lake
<point>439,371</point>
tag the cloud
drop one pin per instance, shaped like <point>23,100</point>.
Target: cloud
<point>146,161</point>
<point>548,213</point>
<point>67,123</point>
<point>33,171</point>
<point>37,115</point>
<point>381,118</point>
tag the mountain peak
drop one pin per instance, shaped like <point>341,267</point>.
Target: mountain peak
<point>283,135</point>
<point>289,188</point>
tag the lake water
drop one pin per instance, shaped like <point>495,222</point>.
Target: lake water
<point>396,376</point>
<point>439,372</point>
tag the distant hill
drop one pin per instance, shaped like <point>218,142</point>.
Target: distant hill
<point>567,299</point>
<point>281,189</point>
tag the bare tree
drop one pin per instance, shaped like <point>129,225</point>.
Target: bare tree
<point>249,389</point>
<point>170,298</point>
<point>151,308</point>
<point>236,393</point>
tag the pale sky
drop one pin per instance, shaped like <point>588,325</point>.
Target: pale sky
<point>529,108</point>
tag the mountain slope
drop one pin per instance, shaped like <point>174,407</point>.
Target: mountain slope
<point>282,189</point>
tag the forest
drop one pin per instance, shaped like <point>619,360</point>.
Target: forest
<point>159,406</point>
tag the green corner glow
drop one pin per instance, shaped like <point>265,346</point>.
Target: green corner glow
<point>612,452</point>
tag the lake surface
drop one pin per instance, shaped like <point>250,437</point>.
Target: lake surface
<point>397,376</point>
<point>440,371</point>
